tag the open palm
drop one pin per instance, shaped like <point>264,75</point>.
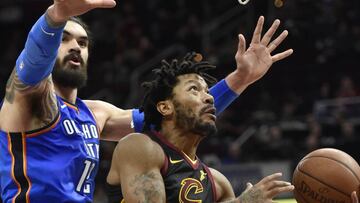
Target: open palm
<point>254,62</point>
<point>67,8</point>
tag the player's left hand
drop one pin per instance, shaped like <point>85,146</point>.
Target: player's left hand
<point>254,62</point>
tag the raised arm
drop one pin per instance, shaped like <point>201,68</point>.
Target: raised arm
<point>254,62</point>
<point>114,123</point>
<point>29,100</point>
<point>136,165</point>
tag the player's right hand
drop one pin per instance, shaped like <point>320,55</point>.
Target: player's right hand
<point>265,190</point>
<point>62,10</point>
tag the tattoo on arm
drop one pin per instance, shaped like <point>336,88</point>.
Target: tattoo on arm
<point>41,97</point>
<point>253,195</point>
<point>46,110</point>
<point>14,84</point>
<point>146,188</point>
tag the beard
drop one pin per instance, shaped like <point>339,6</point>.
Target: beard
<point>187,119</point>
<point>66,76</point>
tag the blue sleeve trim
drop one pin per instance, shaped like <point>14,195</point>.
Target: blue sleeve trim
<point>138,120</point>
<point>223,96</point>
<point>37,59</point>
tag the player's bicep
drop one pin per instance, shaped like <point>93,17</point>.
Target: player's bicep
<point>40,98</point>
<point>224,190</point>
<point>139,161</point>
<point>114,123</point>
<point>15,88</point>
<point>143,187</point>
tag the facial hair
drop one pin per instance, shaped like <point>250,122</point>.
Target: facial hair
<point>187,119</point>
<point>66,76</point>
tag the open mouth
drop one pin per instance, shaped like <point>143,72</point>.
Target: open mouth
<point>74,60</point>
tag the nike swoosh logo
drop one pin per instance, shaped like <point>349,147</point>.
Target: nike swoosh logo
<point>47,33</point>
<point>63,106</point>
<point>175,161</point>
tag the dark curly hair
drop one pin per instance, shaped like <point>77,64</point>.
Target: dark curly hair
<point>166,78</point>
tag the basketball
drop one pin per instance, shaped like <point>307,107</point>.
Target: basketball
<point>326,175</point>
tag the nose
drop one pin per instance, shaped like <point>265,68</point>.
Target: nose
<point>74,46</point>
<point>208,99</point>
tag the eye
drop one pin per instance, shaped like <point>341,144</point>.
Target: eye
<point>64,38</point>
<point>194,88</point>
<point>82,43</point>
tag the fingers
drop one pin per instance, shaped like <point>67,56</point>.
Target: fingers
<point>102,3</point>
<point>272,46</point>
<point>278,183</point>
<point>248,186</point>
<point>270,178</point>
<point>242,44</point>
<point>281,189</point>
<point>282,55</point>
<point>273,187</point>
<point>269,34</point>
<point>257,32</point>
<point>354,197</point>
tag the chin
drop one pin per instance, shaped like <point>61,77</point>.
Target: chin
<point>207,128</point>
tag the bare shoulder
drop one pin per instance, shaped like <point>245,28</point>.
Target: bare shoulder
<point>113,122</point>
<point>224,190</point>
<point>102,108</point>
<point>99,104</point>
<point>141,148</point>
<point>94,104</point>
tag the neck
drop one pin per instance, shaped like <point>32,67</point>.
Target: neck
<point>67,93</point>
<point>185,140</point>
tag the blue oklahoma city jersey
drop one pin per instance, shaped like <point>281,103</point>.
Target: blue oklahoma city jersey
<point>57,163</point>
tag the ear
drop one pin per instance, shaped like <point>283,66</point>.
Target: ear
<point>165,108</point>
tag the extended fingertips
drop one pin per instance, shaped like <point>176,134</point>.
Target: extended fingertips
<point>277,22</point>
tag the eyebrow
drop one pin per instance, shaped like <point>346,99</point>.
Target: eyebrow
<point>81,37</point>
<point>195,81</point>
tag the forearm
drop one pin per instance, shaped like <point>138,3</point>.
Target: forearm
<point>235,82</point>
<point>37,59</point>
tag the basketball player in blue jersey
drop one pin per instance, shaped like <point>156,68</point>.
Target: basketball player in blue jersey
<point>49,140</point>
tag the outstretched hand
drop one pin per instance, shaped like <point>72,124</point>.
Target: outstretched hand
<point>265,190</point>
<point>254,62</point>
<point>62,10</point>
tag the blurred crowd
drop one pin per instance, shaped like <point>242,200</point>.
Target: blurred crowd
<point>308,101</point>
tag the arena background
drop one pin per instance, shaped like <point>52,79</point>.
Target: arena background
<point>305,102</point>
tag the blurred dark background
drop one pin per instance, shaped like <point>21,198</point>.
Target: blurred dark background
<point>308,101</point>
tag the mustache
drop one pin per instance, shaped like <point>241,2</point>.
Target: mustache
<point>208,109</point>
<point>75,57</point>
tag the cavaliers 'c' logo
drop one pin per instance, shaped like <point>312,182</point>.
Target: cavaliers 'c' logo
<point>187,185</point>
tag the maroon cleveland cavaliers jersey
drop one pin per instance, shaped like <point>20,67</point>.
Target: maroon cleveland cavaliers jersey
<point>185,181</point>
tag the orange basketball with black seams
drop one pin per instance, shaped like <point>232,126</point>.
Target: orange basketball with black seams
<point>326,176</point>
